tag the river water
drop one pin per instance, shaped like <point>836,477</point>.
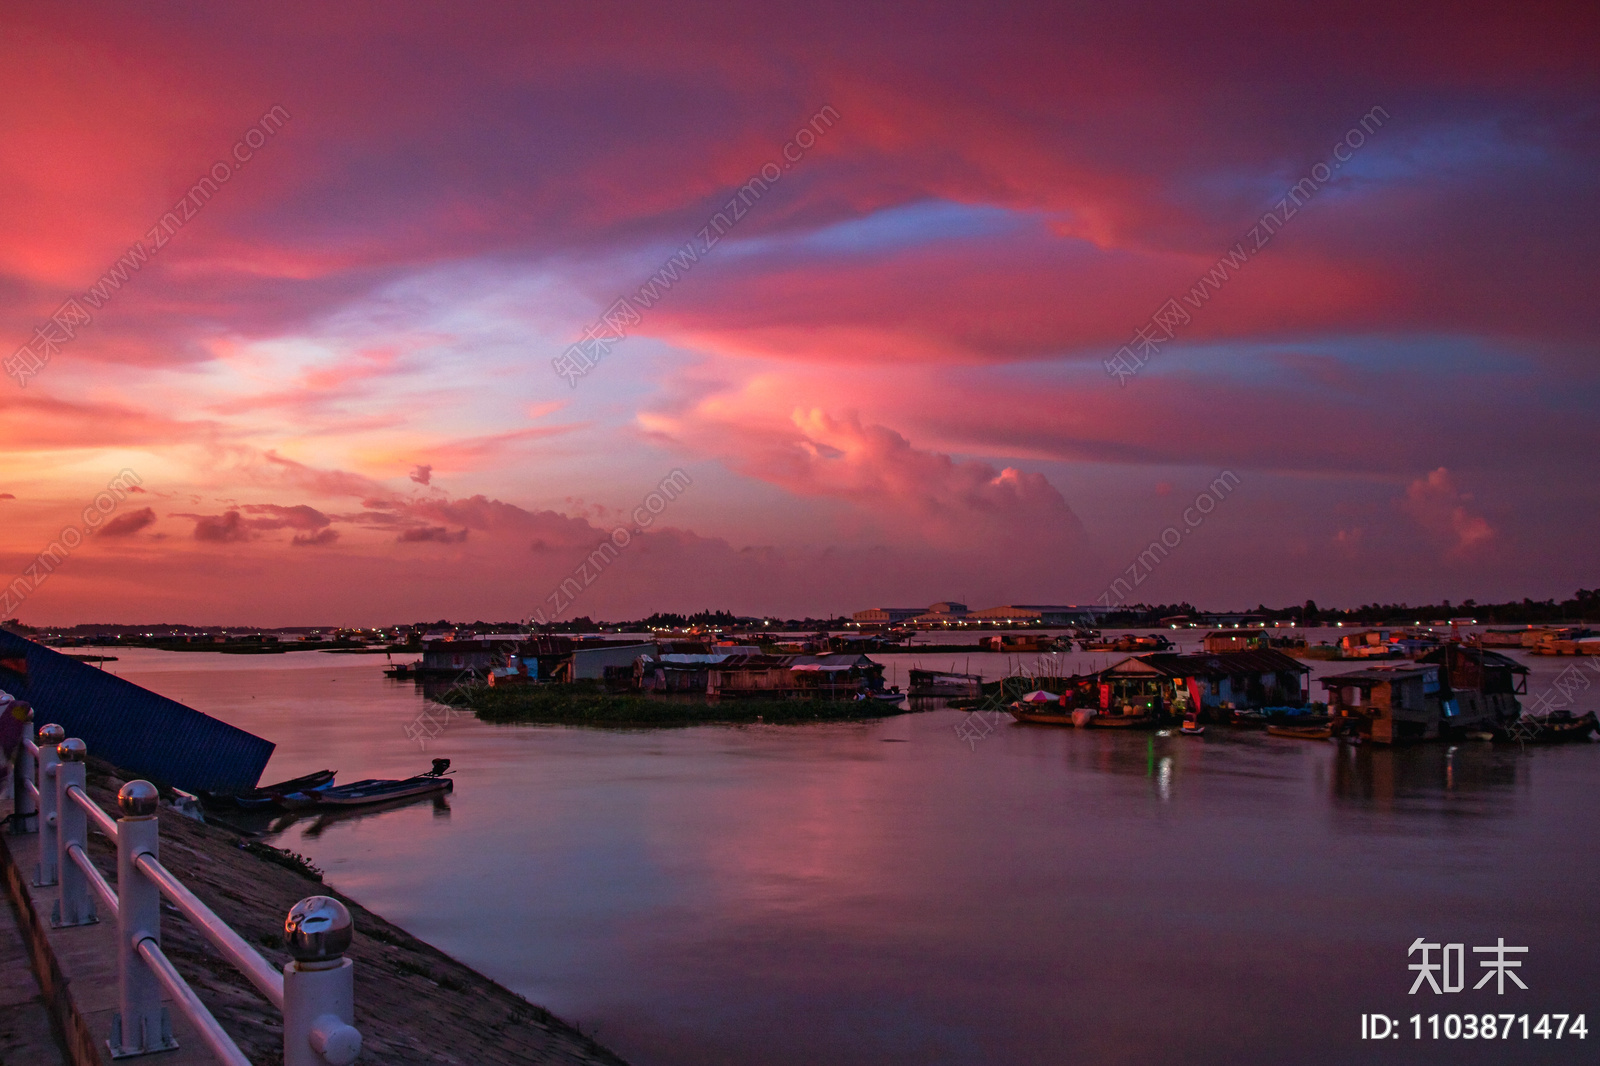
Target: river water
<point>889,892</point>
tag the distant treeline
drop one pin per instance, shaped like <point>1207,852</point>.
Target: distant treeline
<point>1583,606</point>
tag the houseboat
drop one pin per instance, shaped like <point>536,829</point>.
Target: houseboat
<point>945,683</point>
<point>1128,642</point>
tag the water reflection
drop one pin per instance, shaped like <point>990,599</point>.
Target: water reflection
<point>1420,776</point>
<point>884,893</point>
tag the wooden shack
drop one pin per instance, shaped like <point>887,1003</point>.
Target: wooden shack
<point>1388,704</point>
<point>1483,685</point>
<point>797,676</point>
<point>1235,640</point>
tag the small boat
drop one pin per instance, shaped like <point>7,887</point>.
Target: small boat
<point>1557,727</point>
<point>1043,713</point>
<point>1310,731</point>
<point>1134,642</point>
<point>1122,721</point>
<point>1191,727</point>
<point>945,683</point>
<point>893,695</point>
<point>373,790</point>
<point>268,797</point>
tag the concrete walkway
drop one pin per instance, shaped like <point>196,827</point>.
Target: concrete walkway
<point>415,1006</point>
<point>26,1038</point>
<point>87,959</point>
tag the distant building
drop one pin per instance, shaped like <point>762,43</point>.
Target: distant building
<point>1237,640</point>
<point>942,613</point>
<point>1034,614</point>
<point>887,614</point>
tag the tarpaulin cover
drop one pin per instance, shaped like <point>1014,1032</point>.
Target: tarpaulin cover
<point>131,727</point>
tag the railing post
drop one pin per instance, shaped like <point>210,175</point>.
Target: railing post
<point>49,736</point>
<point>142,1026</point>
<point>319,985</point>
<point>26,770</point>
<point>73,905</point>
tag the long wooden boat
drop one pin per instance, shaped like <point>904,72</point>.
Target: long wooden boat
<point>945,683</point>
<point>1132,642</point>
<point>1123,721</point>
<point>373,790</point>
<point>1301,732</point>
<point>1558,727</point>
<point>269,797</point>
<point>1042,714</point>
<point>363,793</point>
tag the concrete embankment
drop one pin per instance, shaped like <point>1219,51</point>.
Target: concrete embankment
<point>414,1004</point>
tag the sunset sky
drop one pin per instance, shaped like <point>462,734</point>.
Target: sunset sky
<point>886,380</point>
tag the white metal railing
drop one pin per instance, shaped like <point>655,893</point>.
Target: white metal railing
<point>315,991</point>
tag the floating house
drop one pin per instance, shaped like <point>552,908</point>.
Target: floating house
<point>1235,640</point>
<point>1018,643</point>
<point>1483,686</point>
<point>1390,702</point>
<point>1368,644</point>
<point>800,676</point>
<point>591,663</point>
<point>1172,683</point>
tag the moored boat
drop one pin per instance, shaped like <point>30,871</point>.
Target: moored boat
<point>373,790</point>
<point>1557,727</point>
<point>269,797</point>
<point>1309,731</point>
<point>1123,721</point>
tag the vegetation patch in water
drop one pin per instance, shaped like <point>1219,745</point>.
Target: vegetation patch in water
<point>584,705</point>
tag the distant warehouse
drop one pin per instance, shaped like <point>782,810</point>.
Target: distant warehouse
<point>1039,614</point>
<point>888,614</point>
<point>948,611</point>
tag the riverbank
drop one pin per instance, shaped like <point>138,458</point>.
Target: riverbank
<point>581,705</point>
<point>415,1005</point>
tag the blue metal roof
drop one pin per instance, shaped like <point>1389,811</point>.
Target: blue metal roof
<point>129,726</point>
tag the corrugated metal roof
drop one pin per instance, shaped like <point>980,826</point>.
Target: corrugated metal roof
<point>1379,675</point>
<point>132,727</point>
<point>1219,663</point>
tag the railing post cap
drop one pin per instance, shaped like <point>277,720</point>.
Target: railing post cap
<point>72,750</point>
<point>50,733</point>
<point>138,799</point>
<point>318,929</point>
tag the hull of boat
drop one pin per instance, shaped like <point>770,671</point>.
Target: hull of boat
<point>381,795</point>
<point>269,797</point>
<point>1054,716</point>
<point>1558,731</point>
<point>1301,732</point>
<point>1123,721</point>
<point>365,793</point>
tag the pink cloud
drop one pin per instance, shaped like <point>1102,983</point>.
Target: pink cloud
<point>320,538</point>
<point>436,534</point>
<point>1445,512</point>
<point>226,528</point>
<point>299,516</point>
<point>944,500</point>
<point>126,525</point>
